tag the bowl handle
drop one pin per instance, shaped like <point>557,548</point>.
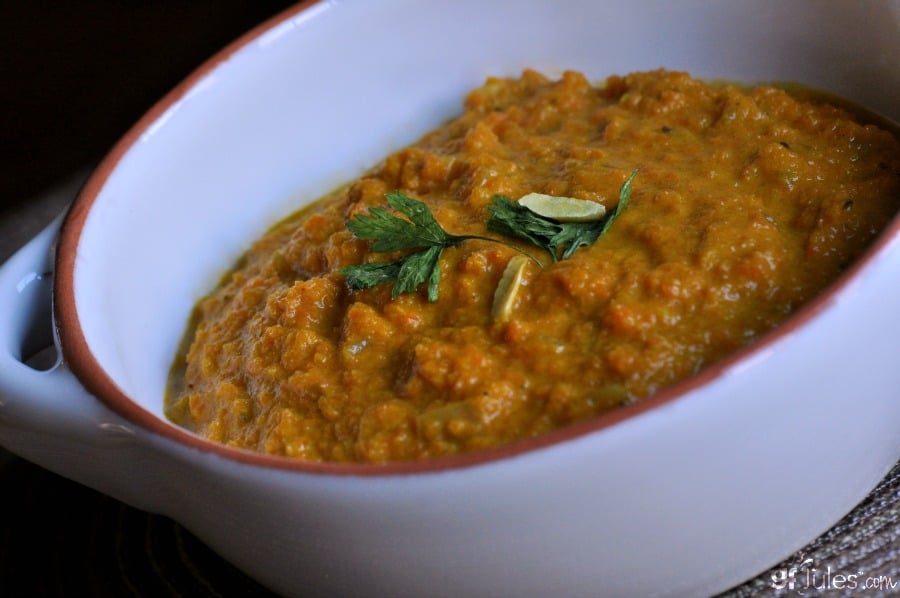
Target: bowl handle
<point>46,415</point>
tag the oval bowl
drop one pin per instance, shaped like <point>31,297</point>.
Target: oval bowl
<point>686,493</point>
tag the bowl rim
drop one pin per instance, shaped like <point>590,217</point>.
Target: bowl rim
<point>80,360</point>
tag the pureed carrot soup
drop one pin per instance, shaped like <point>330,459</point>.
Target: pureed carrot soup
<point>384,323</point>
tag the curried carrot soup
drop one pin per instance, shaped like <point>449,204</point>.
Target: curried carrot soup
<point>429,308</point>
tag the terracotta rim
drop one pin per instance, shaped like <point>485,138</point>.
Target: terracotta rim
<point>84,365</point>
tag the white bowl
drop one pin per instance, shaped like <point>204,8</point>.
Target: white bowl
<point>686,493</point>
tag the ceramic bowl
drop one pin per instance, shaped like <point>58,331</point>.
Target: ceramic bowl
<point>687,493</point>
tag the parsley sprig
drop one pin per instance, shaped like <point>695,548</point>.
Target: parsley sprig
<point>420,231</point>
<point>391,233</point>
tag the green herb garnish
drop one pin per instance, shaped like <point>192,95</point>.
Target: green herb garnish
<point>560,239</point>
<point>422,232</point>
<point>392,233</point>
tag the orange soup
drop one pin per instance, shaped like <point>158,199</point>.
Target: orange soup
<point>742,205</point>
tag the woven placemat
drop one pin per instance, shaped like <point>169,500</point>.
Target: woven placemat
<point>59,538</point>
<point>859,556</point>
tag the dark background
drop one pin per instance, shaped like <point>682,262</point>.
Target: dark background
<point>75,75</point>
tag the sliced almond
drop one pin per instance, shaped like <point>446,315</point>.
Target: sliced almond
<point>508,287</point>
<point>563,209</point>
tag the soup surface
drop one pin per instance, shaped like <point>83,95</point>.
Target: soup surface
<point>746,203</point>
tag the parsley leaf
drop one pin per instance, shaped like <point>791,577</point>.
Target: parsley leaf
<point>365,276</point>
<point>392,233</point>
<point>624,196</point>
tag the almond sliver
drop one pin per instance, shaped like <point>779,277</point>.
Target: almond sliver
<point>563,209</point>
<point>508,287</point>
